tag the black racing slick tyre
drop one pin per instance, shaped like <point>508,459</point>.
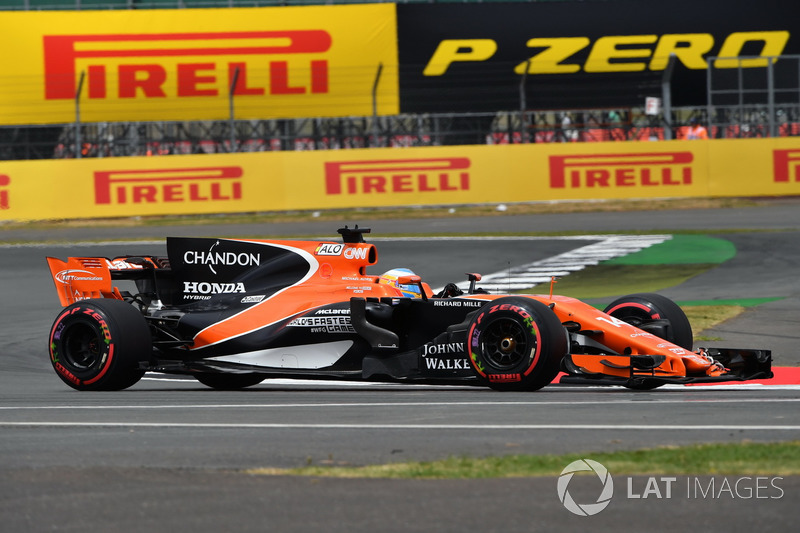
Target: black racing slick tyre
<point>516,344</point>
<point>646,308</point>
<point>229,381</point>
<point>98,344</point>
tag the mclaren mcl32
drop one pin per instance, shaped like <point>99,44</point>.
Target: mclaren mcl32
<point>233,312</point>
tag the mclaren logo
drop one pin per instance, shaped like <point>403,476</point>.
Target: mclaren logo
<point>621,170</point>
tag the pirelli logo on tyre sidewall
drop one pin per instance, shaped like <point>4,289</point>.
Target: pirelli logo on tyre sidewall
<point>423,175</point>
<point>168,185</point>
<point>621,170</point>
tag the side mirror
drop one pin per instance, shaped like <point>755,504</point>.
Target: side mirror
<point>410,279</point>
<point>473,278</point>
<point>413,279</point>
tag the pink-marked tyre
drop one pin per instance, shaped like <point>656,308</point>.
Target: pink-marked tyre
<point>516,344</point>
<point>98,345</point>
<point>644,310</point>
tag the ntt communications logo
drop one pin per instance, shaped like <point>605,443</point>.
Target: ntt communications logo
<point>585,509</point>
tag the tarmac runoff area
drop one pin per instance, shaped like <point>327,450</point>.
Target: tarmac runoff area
<point>169,454</point>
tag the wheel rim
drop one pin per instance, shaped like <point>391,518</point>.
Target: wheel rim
<point>504,344</point>
<point>83,347</point>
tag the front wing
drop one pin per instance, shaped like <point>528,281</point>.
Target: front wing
<point>642,371</point>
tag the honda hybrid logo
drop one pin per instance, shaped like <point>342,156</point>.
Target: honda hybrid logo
<point>139,68</point>
<point>397,176</point>
<point>621,170</point>
<point>210,184</point>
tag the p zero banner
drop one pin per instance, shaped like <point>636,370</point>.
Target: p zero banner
<point>139,65</point>
<point>583,54</point>
<point>277,181</point>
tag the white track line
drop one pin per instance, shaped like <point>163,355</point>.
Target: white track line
<point>385,404</point>
<point>480,427</point>
<point>608,247</point>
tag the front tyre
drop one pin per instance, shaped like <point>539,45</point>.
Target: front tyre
<point>98,345</point>
<point>516,344</point>
<point>644,309</point>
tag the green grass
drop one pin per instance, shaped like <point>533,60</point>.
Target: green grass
<point>703,317</point>
<point>607,280</point>
<point>745,458</point>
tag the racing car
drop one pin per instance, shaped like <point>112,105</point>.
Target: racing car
<point>233,312</point>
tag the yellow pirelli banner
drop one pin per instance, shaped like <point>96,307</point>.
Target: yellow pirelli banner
<point>148,65</point>
<point>277,181</point>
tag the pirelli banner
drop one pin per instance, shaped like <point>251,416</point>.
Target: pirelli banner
<point>160,65</point>
<point>276,181</point>
<point>575,54</point>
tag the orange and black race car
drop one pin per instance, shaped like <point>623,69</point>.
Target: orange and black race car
<point>233,312</point>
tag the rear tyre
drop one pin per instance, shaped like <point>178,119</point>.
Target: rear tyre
<point>99,344</point>
<point>516,344</point>
<point>645,308</point>
<point>229,381</point>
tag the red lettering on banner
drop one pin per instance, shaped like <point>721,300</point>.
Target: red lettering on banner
<point>279,74</point>
<point>786,165</point>
<point>150,81</point>
<point>97,81</point>
<point>241,80</point>
<point>189,78</point>
<point>621,170</point>
<point>62,53</point>
<point>210,184</point>
<point>397,176</point>
<point>5,181</point>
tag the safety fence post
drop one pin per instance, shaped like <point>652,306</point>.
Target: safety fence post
<point>231,111</point>
<point>78,116</point>
<point>375,130</point>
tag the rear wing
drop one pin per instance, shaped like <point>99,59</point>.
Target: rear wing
<point>81,278</point>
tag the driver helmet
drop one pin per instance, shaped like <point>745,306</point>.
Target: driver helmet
<point>390,278</point>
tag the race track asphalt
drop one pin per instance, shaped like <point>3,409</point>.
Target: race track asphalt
<point>171,455</point>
